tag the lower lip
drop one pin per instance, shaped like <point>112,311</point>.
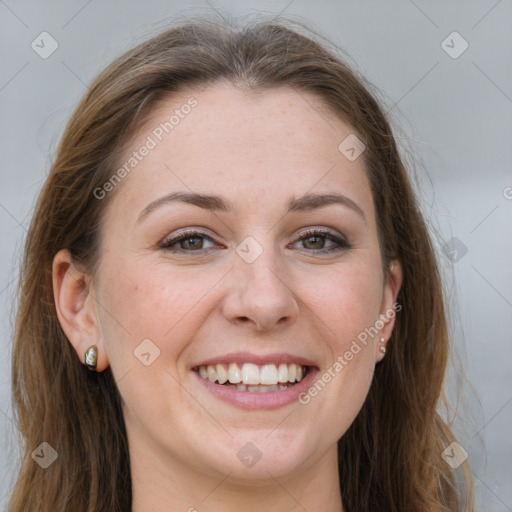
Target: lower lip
<point>253,400</point>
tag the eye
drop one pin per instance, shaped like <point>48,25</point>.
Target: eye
<point>322,241</point>
<point>317,241</point>
<point>188,241</point>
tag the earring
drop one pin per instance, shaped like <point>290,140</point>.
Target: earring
<point>91,357</point>
<point>383,348</point>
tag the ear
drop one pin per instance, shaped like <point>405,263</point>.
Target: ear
<point>76,308</point>
<point>389,307</point>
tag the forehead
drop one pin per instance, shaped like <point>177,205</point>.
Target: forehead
<point>250,146</point>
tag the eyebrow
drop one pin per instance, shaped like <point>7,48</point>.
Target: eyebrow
<point>216,203</point>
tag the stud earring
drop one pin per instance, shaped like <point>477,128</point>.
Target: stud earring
<point>91,357</point>
<point>383,347</point>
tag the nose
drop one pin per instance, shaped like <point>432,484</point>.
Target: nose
<point>260,295</point>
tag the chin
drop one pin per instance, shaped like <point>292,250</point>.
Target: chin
<point>261,456</point>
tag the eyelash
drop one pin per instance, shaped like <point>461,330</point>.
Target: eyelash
<point>304,235</point>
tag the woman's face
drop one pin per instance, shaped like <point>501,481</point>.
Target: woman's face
<point>279,273</point>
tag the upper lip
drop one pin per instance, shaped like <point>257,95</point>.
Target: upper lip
<point>260,359</point>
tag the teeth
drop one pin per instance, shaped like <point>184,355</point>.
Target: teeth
<point>250,373</point>
<point>234,374</point>
<point>269,374</point>
<point>282,373</point>
<point>252,377</point>
<point>292,372</point>
<point>211,373</point>
<point>222,374</point>
<point>259,389</point>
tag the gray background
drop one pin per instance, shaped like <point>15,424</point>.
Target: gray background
<point>455,116</point>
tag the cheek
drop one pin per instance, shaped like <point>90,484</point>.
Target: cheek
<point>347,300</point>
<point>347,305</point>
<point>147,301</point>
<point>149,317</point>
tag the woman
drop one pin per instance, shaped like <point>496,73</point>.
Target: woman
<point>229,298</point>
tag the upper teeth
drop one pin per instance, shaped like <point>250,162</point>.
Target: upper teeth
<point>252,374</point>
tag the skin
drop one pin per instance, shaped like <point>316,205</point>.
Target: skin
<point>257,151</point>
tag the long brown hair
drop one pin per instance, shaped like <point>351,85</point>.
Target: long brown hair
<point>390,458</point>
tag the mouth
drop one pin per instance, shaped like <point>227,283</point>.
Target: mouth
<point>256,382</point>
<point>254,378</point>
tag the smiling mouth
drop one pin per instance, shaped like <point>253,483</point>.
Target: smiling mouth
<point>254,378</point>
